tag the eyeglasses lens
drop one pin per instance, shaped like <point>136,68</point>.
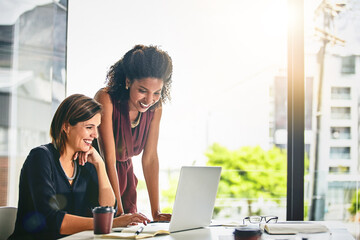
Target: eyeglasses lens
<point>255,219</point>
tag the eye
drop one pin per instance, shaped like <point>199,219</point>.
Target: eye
<point>89,128</point>
<point>142,91</point>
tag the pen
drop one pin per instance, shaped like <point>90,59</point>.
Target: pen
<point>139,230</point>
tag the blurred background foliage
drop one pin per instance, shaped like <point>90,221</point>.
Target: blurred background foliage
<point>249,173</point>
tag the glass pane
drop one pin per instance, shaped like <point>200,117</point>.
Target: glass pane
<point>32,82</point>
<point>340,152</point>
<point>332,59</point>
<point>340,132</point>
<point>348,64</point>
<point>229,92</point>
<point>340,113</point>
<point>340,92</point>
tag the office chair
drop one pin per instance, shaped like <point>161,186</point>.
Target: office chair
<point>7,221</point>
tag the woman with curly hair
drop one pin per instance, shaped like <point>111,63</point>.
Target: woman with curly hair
<point>137,86</point>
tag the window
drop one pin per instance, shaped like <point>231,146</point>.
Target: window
<point>340,93</point>
<point>340,133</point>
<point>340,152</point>
<point>6,43</point>
<point>340,113</point>
<point>339,170</point>
<point>348,65</point>
<point>334,160</point>
<point>221,102</point>
<point>32,77</point>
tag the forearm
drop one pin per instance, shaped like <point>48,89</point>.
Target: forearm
<point>106,194</point>
<point>72,224</point>
<point>107,143</point>
<point>114,181</point>
<point>151,174</point>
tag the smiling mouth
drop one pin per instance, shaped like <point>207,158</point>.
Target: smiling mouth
<point>144,105</point>
<point>88,142</point>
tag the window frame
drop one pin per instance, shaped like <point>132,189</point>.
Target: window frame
<point>296,112</point>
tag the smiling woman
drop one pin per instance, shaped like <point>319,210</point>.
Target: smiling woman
<point>78,114</point>
<point>84,133</point>
<point>61,182</point>
<point>146,93</point>
<point>137,86</point>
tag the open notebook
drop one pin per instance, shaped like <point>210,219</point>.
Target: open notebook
<point>130,233</point>
<point>193,206</point>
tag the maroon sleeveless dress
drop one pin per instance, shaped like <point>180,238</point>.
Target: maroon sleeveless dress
<point>129,142</point>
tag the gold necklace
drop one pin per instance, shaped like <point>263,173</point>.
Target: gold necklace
<point>136,121</point>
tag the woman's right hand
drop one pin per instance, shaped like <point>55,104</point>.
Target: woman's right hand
<point>120,211</point>
<point>130,219</point>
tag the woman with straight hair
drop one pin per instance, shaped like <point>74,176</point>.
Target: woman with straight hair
<point>62,181</point>
<point>137,86</point>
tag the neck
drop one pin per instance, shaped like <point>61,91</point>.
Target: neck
<point>131,107</point>
<point>133,114</point>
<point>67,155</point>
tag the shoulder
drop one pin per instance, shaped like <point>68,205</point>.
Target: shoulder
<point>41,156</point>
<point>157,113</point>
<point>103,97</point>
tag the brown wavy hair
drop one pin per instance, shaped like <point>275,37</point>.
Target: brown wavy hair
<point>75,108</point>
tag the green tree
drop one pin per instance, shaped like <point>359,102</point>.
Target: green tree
<point>250,172</point>
<point>355,203</point>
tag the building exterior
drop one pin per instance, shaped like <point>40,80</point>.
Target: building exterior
<point>339,137</point>
<point>338,157</point>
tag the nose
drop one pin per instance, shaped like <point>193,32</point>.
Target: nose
<point>151,98</point>
<point>95,133</point>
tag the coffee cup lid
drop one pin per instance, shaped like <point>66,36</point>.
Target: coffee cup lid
<point>103,209</point>
<point>247,232</point>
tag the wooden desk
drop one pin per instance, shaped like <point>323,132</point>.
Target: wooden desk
<point>338,232</point>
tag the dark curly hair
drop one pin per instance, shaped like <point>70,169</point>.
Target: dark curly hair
<point>140,62</point>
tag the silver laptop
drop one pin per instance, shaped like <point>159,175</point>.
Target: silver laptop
<point>195,199</point>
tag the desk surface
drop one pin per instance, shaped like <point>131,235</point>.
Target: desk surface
<point>338,232</point>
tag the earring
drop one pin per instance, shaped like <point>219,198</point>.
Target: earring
<point>126,87</point>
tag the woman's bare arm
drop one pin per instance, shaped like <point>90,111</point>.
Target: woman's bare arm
<point>107,144</point>
<point>106,194</point>
<point>150,164</point>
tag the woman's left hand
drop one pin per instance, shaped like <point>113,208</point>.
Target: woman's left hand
<point>91,156</point>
